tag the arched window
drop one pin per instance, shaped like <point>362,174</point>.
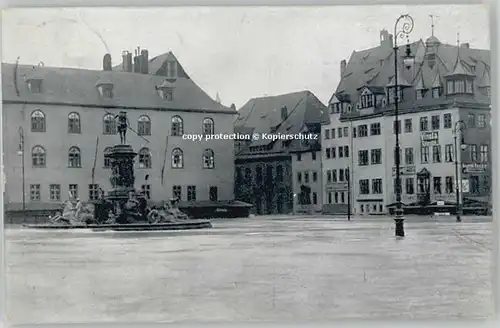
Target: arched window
<point>107,158</point>
<point>74,123</point>
<point>109,124</point>
<point>144,158</point>
<point>74,157</point>
<point>37,121</point>
<point>208,126</point>
<point>38,156</point>
<point>177,126</point>
<point>208,159</point>
<point>144,126</point>
<point>177,159</point>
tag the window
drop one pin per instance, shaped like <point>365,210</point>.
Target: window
<point>420,93</point>
<point>38,156</point>
<point>315,176</point>
<point>448,153</point>
<point>213,194</point>
<point>329,197</point>
<point>436,154</point>
<point>449,87</point>
<point>408,125</point>
<point>468,86</point>
<point>334,152</point>
<point>363,130</point>
<point>481,121</point>
<point>74,123</point>
<point>363,157</point>
<point>38,121</point>
<point>483,153</point>
<point>424,154</point>
<point>208,159</point>
<point>334,175</point>
<point>375,129</point>
<point>171,69</point>
<point>306,177</point>
<point>341,175</point>
<point>315,198</point>
<point>299,177</point>
<point>341,152</point>
<point>410,186</point>
<point>437,185</point>
<point>364,187</point>
<point>435,121</point>
<point>449,185</point>
<point>144,158</point>
<point>396,126</point>
<point>459,86</point>
<point>354,132</point>
<point>107,158</point>
<point>336,197</point>
<point>299,157</point>
<point>74,157</point>
<point>34,192</point>
<point>73,191</point>
<point>339,132</point>
<point>177,126</point>
<point>474,184</point>
<point>109,124</point>
<point>346,132</point>
<point>409,156</point>
<point>333,133</point>
<point>177,192</point>
<point>447,121</point>
<point>346,151</point>
<point>436,92</point>
<point>93,191</point>
<point>376,156</point>
<point>327,153</point>
<point>471,120</point>
<point>376,186</point>
<point>313,155</point>
<point>55,192</point>
<point>473,153</point>
<point>177,158</point>
<point>327,134</point>
<point>191,193</point>
<point>329,176</point>
<point>486,184</point>
<point>146,189</point>
<point>34,85</point>
<point>144,126</point>
<point>208,126</point>
<point>424,124</point>
<point>105,89</point>
<point>342,197</point>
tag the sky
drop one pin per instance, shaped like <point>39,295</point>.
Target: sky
<point>238,52</point>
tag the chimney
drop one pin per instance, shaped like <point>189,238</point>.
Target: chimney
<point>233,107</point>
<point>137,64</point>
<point>106,62</point>
<point>465,45</point>
<point>144,62</point>
<point>343,65</point>
<point>125,62</point>
<point>129,62</point>
<point>385,38</point>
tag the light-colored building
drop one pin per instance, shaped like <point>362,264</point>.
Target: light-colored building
<point>62,120</point>
<point>445,85</point>
<point>307,185</point>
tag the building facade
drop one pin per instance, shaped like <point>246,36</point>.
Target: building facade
<point>265,171</point>
<point>60,122</point>
<point>446,84</point>
<point>307,184</point>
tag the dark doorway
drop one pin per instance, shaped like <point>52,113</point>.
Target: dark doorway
<point>214,194</point>
<point>424,187</point>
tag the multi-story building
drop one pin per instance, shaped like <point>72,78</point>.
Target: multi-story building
<point>264,170</point>
<point>58,124</point>
<point>445,84</point>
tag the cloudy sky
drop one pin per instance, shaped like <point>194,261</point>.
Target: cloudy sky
<point>239,52</point>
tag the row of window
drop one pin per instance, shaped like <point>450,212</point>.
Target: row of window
<point>304,198</point>
<point>247,176</point>
<point>306,179</point>
<point>93,192</point>
<point>38,124</point>
<point>343,175</point>
<point>374,156</point>
<point>375,128</point>
<point>333,197</point>
<point>343,152</point>
<point>313,156</point>
<point>39,158</point>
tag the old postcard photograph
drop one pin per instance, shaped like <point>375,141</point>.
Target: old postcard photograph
<point>247,164</point>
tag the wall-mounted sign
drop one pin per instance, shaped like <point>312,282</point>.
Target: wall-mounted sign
<point>405,170</point>
<point>336,186</point>
<point>429,138</point>
<point>475,168</point>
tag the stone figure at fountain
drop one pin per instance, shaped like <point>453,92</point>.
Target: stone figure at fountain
<point>123,125</point>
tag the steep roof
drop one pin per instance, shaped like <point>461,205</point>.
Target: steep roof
<point>158,65</point>
<point>263,114</point>
<point>70,86</point>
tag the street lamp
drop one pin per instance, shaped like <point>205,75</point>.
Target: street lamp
<point>460,128</point>
<point>402,28</point>
<point>20,152</point>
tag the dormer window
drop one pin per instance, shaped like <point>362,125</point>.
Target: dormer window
<point>436,92</point>
<point>171,69</point>
<point>34,85</point>
<point>459,86</point>
<point>105,90</point>
<point>390,95</point>
<point>421,93</point>
<point>166,90</point>
<point>367,101</point>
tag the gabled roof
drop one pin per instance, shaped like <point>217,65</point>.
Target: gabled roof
<point>460,67</point>
<point>72,86</point>
<point>263,114</point>
<point>158,65</point>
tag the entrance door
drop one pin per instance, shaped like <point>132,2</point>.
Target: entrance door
<point>213,194</point>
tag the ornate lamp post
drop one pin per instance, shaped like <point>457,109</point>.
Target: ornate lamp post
<point>20,152</point>
<point>402,28</point>
<point>459,129</point>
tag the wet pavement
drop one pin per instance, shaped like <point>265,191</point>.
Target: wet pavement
<point>254,269</point>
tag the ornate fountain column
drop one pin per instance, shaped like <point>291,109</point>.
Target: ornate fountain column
<point>122,177</point>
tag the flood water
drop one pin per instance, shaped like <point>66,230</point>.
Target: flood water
<point>252,270</point>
